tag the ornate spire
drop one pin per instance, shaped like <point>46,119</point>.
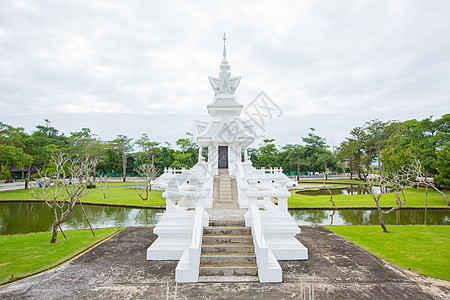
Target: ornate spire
<point>224,47</point>
<point>224,87</point>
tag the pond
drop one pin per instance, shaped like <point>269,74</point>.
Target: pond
<point>350,189</point>
<point>370,217</point>
<point>24,217</point>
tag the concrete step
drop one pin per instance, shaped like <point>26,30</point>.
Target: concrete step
<point>227,222</point>
<point>220,205</point>
<point>227,248</point>
<point>228,279</point>
<point>228,203</point>
<point>220,238</point>
<point>235,258</point>
<point>228,269</point>
<point>226,195</point>
<point>227,230</point>
<point>225,201</point>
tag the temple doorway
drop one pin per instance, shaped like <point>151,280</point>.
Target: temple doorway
<point>223,157</point>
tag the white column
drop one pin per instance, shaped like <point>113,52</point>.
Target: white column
<point>200,154</point>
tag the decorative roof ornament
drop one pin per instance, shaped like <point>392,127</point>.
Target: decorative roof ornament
<point>224,84</point>
<point>224,47</point>
<point>224,87</point>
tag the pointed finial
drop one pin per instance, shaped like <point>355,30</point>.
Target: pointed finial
<point>224,48</point>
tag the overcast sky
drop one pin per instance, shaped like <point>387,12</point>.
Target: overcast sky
<point>133,67</point>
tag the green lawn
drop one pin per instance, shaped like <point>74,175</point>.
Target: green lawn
<point>117,195</point>
<point>22,255</point>
<point>331,181</point>
<point>424,249</point>
<point>125,196</point>
<point>415,198</point>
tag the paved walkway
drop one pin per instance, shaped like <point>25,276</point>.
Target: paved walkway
<point>117,269</point>
<point>11,186</point>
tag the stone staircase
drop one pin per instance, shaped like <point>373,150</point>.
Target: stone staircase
<point>224,197</point>
<point>227,247</point>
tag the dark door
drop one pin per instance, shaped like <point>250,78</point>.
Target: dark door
<point>223,157</point>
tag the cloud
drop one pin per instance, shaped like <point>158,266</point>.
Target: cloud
<point>333,65</point>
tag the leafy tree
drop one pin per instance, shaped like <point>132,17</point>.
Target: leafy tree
<point>181,160</point>
<point>314,141</point>
<point>443,167</point>
<point>112,161</point>
<point>268,153</point>
<point>187,157</point>
<point>122,144</point>
<point>86,144</point>
<point>296,155</point>
<point>149,150</point>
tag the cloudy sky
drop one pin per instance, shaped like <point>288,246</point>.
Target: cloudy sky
<point>133,67</point>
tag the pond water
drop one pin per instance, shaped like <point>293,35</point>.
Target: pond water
<point>370,217</point>
<point>24,217</point>
<point>350,189</point>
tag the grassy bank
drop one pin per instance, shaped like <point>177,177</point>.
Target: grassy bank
<point>331,181</point>
<point>27,254</point>
<point>424,249</point>
<point>415,198</point>
<point>117,196</point>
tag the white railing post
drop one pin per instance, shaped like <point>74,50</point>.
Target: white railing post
<point>283,204</point>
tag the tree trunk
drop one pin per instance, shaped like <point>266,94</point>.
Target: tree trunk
<point>351,170</point>
<point>27,178</point>
<point>426,204</point>
<point>298,172</point>
<point>380,168</point>
<point>380,217</point>
<point>95,171</point>
<point>124,167</point>
<point>442,194</point>
<point>55,234</point>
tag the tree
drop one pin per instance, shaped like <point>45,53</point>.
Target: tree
<point>314,141</point>
<point>86,144</point>
<point>268,153</point>
<point>296,155</point>
<point>443,167</point>
<point>149,149</point>
<point>147,171</point>
<point>397,180</point>
<point>63,187</point>
<point>122,144</point>
<point>376,138</point>
<point>11,145</point>
<point>187,157</point>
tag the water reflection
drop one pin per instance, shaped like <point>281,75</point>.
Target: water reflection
<point>24,217</point>
<point>370,217</point>
<point>350,189</point>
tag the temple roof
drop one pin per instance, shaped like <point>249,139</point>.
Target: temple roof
<point>224,130</point>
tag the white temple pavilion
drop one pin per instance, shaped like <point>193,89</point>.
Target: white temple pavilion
<point>226,220</point>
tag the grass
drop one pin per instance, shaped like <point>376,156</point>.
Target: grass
<point>415,198</point>
<point>117,196</point>
<point>27,254</point>
<point>331,181</point>
<point>424,249</point>
<point>125,196</point>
